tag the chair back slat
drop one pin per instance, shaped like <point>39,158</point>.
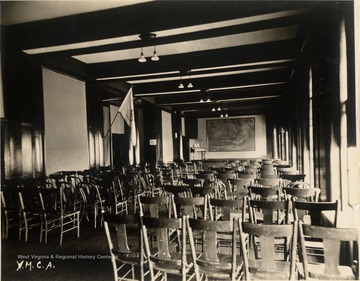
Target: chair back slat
<point>314,210</point>
<point>332,266</point>
<point>269,264</point>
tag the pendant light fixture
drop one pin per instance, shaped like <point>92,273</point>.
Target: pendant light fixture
<point>147,38</point>
<point>190,85</point>
<point>181,85</point>
<point>142,57</point>
<point>155,57</point>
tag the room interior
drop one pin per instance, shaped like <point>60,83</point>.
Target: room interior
<point>212,81</point>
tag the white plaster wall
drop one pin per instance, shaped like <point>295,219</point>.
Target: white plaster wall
<point>66,134</point>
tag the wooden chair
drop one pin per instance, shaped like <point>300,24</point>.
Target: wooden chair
<point>191,169</point>
<point>312,211</point>
<point>227,209</point>
<point>177,190</point>
<point>234,184</point>
<point>270,182</point>
<point>268,193</point>
<point>267,168</point>
<point>269,264</point>
<point>193,182</point>
<point>147,183</point>
<point>212,260</point>
<point>280,169</point>
<point>203,191</point>
<point>9,211</point>
<point>208,178</point>
<point>166,254</point>
<point>330,268</point>
<point>30,210</point>
<point>223,179</point>
<point>110,189</point>
<point>59,210</point>
<point>253,170</point>
<point>269,176</point>
<point>158,206</point>
<point>94,203</point>
<point>269,212</point>
<point>125,242</point>
<point>302,194</point>
<point>194,207</point>
<point>293,177</point>
<point>247,175</point>
<point>166,176</point>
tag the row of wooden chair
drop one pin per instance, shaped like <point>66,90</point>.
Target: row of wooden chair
<point>247,208</point>
<point>197,249</point>
<point>46,209</point>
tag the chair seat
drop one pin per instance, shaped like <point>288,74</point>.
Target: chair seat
<point>221,269</point>
<point>318,271</point>
<point>281,270</point>
<point>173,264</point>
<point>129,257</point>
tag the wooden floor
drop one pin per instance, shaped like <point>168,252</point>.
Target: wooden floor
<point>80,259</point>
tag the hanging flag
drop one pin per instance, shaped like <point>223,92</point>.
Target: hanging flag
<point>127,112</point>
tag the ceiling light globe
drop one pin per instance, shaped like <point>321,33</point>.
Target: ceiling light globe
<point>155,57</point>
<point>142,58</point>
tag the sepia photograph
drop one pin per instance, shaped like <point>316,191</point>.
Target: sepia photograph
<point>168,140</point>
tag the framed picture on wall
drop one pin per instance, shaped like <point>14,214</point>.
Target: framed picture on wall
<point>230,134</point>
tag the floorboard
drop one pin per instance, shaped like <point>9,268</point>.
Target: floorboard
<point>85,258</point>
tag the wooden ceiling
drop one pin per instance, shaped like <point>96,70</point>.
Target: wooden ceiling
<point>240,56</point>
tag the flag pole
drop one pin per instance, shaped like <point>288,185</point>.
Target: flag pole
<point>112,122</point>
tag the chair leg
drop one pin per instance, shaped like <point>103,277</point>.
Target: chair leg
<point>132,272</point>
<point>41,229</point>
<point>6,230</point>
<point>141,271</point>
<point>46,232</point>
<point>95,215</point>
<point>78,225</point>
<point>20,229</point>
<point>26,230</point>
<point>61,230</point>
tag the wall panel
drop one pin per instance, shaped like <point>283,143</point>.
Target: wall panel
<point>66,137</point>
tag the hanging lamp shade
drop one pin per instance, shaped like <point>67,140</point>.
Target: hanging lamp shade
<point>155,57</point>
<point>142,57</point>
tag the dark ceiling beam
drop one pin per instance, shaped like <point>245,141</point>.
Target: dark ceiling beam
<point>134,19</point>
<point>247,81</point>
<point>204,59</point>
<point>183,37</point>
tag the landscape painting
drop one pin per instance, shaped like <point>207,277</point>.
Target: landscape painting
<point>231,134</point>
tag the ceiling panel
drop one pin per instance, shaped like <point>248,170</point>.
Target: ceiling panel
<point>238,54</point>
